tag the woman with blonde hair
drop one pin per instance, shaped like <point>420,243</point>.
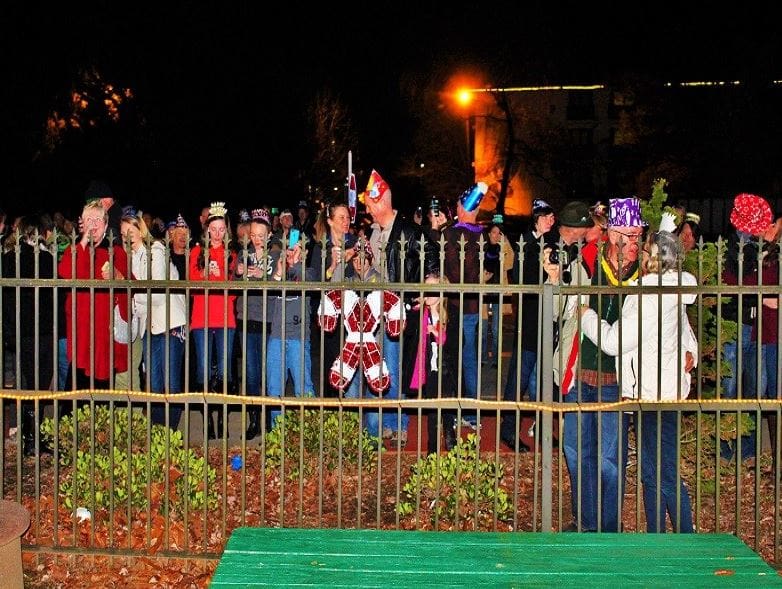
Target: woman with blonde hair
<point>213,319</point>
<point>95,355</point>
<point>163,313</point>
<point>433,375</point>
<point>332,228</point>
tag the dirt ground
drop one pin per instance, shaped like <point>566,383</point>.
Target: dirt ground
<point>326,499</point>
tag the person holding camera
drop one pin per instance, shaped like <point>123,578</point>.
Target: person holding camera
<point>463,267</point>
<point>543,220</point>
<point>592,378</point>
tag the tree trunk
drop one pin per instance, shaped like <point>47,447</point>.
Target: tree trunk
<point>510,145</point>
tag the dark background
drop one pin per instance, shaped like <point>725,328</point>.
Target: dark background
<point>222,89</point>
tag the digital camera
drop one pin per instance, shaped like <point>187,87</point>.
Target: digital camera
<point>556,255</point>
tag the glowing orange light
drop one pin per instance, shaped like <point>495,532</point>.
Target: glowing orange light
<point>464,97</point>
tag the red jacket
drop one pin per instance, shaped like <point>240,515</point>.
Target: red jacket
<point>97,306</point>
<point>217,308</point>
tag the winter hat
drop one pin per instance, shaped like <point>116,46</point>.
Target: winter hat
<point>540,208</point>
<point>376,187</point>
<point>217,210</point>
<point>624,212</point>
<point>261,216</point>
<point>751,214</point>
<point>472,197</point>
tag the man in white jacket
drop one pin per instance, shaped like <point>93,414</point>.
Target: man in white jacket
<point>654,362</point>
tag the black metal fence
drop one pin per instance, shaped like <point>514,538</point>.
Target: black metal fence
<point>121,469</point>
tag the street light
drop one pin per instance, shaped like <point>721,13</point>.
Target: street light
<point>464,97</point>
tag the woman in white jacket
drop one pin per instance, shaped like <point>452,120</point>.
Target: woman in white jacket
<point>658,350</point>
<point>164,313</point>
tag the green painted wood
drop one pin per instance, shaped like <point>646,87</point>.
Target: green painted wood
<point>272,557</point>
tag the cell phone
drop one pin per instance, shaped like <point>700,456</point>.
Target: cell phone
<point>434,206</point>
<point>293,238</point>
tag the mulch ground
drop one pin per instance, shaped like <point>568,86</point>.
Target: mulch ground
<point>348,499</point>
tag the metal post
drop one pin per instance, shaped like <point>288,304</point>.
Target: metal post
<point>546,365</point>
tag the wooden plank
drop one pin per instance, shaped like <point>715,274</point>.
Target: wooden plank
<point>263,557</point>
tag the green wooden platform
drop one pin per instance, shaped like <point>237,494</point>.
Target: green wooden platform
<point>271,557</point>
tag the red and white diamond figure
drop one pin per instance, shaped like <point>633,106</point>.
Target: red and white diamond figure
<point>361,316</point>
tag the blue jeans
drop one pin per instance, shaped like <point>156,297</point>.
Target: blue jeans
<point>672,488</point>
<point>252,363</point>
<point>295,355</point>
<point>766,389</point>
<point>493,323</point>
<point>155,346</point>
<point>768,371</point>
<point>355,388</point>
<point>730,387</point>
<point>62,364</point>
<point>583,468</point>
<point>214,345</point>
<point>372,418</point>
<point>529,377</point>
<point>470,354</point>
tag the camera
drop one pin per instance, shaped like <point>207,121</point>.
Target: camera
<point>434,206</point>
<point>556,254</point>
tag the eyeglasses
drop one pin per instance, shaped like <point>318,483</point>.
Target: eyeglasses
<point>629,236</point>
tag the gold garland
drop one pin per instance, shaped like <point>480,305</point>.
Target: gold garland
<point>610,274</point>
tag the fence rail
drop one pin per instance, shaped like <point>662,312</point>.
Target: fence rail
<point>99,476</point>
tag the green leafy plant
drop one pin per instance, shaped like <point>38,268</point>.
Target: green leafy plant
<point>652,210</point>
<point>111,459</point>
<point>311,438</point>
<point>705,262</point>
<point>457,487</point>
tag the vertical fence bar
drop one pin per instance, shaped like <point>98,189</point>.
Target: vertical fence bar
<point>547,381</point>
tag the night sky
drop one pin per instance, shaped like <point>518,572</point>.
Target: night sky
<point>223,89</point>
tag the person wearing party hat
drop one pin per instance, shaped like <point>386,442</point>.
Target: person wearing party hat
<point>387,234</point>
<point>179,243</point>
<point>602,449</point>
<point>526,270</point>
<point>752,219</point>
<point>212,320</point>
<point>465,305</point>
<point>252,309</point>
<point>655,351</point>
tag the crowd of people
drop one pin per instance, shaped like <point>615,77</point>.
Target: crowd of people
<point>418,338</point>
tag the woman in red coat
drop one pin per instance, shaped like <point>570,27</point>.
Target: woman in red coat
<point>89,350</point>
<point>213,320</point>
